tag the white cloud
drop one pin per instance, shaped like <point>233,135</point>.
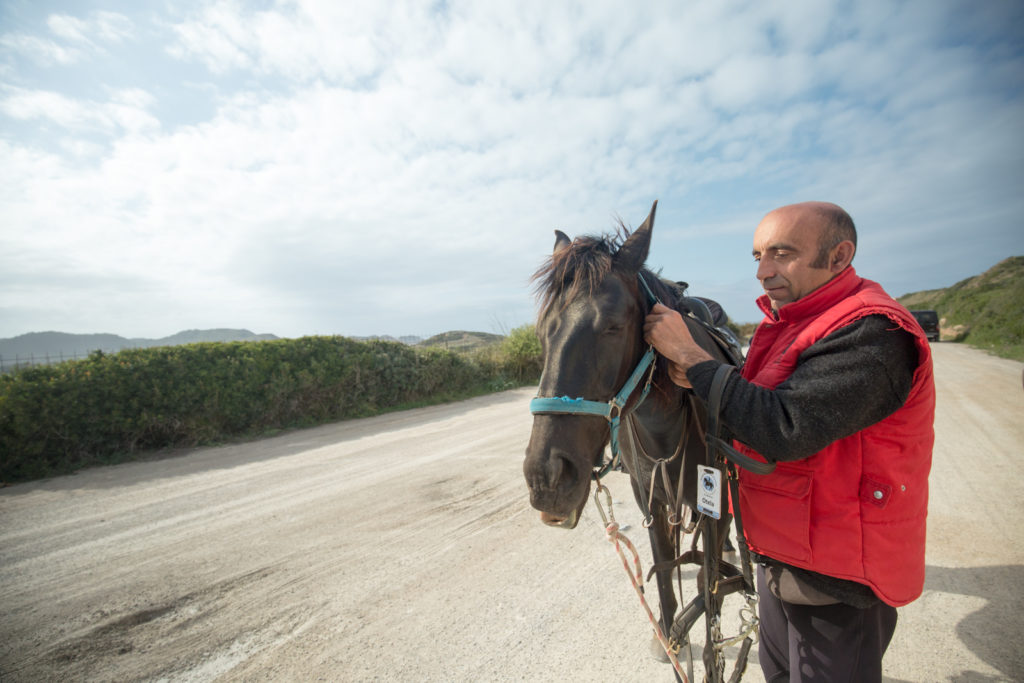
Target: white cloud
<point>338,41</point>
<point>74,38</point>
<point>100,26</point>
<point>124,112</point>
<point>41,50</point>
<point>385,168</point>
<point>218,38</point>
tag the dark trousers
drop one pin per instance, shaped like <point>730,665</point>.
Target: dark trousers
<point>822,643</point>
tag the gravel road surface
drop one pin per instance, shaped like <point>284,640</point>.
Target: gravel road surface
<point>403,547</point>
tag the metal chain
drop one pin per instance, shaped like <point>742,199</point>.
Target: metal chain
<point>749,624</point>
<point>715,633</point>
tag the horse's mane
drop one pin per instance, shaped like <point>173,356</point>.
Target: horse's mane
<point>581,267</point>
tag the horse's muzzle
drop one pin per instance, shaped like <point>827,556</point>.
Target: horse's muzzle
<point>569,522</point>
<point>559,464</point>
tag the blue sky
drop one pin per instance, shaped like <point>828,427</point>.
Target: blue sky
<point>324,167</point>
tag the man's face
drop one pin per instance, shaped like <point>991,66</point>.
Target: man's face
<point>785,246</point>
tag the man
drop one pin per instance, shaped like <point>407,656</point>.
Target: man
<point>837,391</point>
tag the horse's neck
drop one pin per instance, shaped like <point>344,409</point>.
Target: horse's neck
<point>659,424</point>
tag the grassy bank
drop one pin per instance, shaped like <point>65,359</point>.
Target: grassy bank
<point>112,407</point>
<point>985,311</point>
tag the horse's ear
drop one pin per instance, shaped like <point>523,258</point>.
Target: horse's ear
<point>633,253</point>
<point>561,241</point>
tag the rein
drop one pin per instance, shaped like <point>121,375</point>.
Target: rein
<point>660,465</point>
<point>611,410</point>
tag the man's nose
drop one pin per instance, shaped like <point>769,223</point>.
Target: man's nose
<point>764,270</point>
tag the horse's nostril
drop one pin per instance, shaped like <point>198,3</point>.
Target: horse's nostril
<point>553,470</point>
<point>561,473</point>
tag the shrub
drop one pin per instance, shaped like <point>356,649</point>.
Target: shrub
<point>523,355</point>
<point>55,419</point>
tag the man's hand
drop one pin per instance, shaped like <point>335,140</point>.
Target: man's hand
<point>667,332</point>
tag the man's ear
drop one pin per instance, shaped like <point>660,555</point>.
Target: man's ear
<point>841,256</point>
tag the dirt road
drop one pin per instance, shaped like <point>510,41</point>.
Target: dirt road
<point>403,547</point>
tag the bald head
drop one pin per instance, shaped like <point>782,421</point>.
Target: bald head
<point>800,247</point>
<point>829,222</point>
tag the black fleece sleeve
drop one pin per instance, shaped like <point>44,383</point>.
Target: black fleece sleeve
<point>851,379</point>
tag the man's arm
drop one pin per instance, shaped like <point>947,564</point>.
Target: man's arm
<point>855,377</point>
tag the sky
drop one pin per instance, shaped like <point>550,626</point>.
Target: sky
<point>313,167</point>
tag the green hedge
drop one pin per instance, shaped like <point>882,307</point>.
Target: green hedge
<point>58,418</point>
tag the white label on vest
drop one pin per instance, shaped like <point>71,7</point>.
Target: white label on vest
<point>709,491</point>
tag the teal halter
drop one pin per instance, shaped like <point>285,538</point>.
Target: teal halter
<point>610,410</point>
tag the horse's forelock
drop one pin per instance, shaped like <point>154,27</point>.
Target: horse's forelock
<point>577,269</point>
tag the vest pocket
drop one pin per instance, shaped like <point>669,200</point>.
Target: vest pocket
<point>777,513</point>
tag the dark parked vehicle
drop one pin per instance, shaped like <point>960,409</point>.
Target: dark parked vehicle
<point>929,321</point>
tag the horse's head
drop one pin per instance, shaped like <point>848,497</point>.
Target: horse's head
<point>591,330</point>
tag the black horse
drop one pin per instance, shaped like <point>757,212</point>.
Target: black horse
<point>595,293</point>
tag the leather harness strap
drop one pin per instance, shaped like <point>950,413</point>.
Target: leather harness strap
<point>714,442</point>
<point>731,458</point>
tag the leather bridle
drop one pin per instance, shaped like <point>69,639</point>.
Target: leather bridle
<point>613,409</point>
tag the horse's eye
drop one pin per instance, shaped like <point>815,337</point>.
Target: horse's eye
<point>613,329</point>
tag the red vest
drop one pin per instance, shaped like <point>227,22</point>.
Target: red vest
<point>855,510</point>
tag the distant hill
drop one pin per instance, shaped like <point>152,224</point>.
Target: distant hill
<point>42,347</point>
<point>462,341</point>
<point>58,344</point>
<point>986,310</point>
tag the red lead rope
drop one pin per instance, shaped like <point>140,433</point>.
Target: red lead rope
<point>635,574</point>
